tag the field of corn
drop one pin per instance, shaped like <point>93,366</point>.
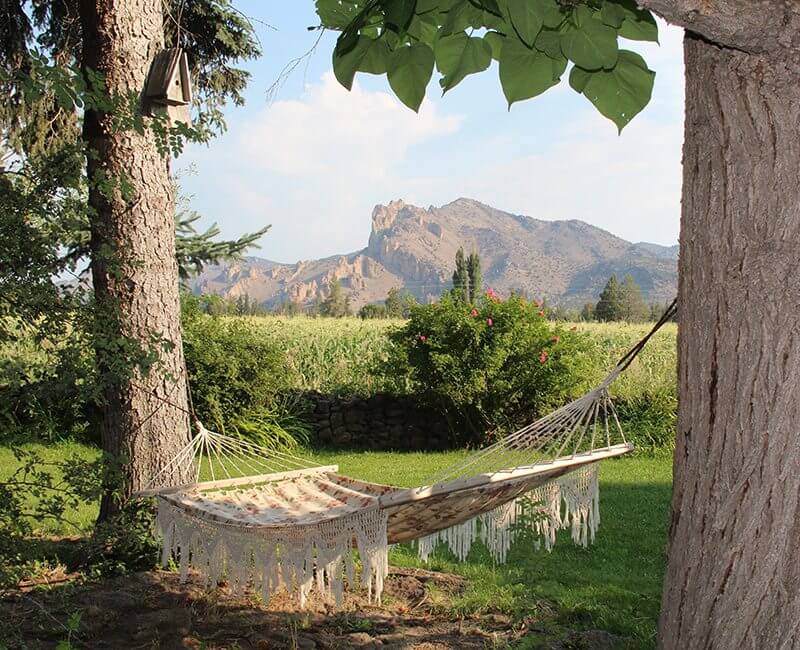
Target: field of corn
<point>339,355</point>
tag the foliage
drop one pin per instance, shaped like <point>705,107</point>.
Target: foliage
<point>124,543</point>
<point>533,40</point>
<point>39,490</point>
<point>609,307</point>
<point>467,276</point>
<point>236,377</point>
<point>337,303</point>
<point>398,304</point>
<point>474,274</point>
<point>622,302</point>
<point>492,367</point>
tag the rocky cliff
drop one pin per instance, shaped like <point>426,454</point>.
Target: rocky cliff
<point>565,262</point>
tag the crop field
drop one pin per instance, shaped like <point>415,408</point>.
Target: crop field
<point>342,355</point>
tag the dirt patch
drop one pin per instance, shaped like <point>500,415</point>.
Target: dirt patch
<point>152,610</point>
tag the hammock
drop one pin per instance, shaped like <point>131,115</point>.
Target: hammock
<point>270,520</point>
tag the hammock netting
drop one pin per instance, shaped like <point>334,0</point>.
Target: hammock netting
<point>267,520</point>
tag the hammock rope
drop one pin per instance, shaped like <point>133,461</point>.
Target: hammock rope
<point>267,519</point>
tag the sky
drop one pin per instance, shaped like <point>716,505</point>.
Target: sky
<point>313,159</point>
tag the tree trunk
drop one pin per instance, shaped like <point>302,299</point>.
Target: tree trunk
<point>733,575</point>
<point>134,269</point>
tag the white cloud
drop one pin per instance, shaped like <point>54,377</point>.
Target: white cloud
<point>310,166</point>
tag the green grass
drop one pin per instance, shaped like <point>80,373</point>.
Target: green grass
<point>614,585</point>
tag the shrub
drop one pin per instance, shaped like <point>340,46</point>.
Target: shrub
<point>491,367</point>
<point>237,378</point>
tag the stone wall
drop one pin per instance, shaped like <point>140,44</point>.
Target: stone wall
<point>381,422</point>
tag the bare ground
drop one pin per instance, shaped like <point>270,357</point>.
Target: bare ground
<point>152,610</point>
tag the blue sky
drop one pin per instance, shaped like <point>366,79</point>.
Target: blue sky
<point>314,160</point>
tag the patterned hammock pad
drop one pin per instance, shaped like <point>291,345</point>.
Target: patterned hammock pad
<point>305,526</point>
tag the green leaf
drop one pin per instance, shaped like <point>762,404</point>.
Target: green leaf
<point>621,93</point>
<point>335,14</point>
<point>424,27</point>
<point>589,43</point>
<point>612,14</point>
<point>639,24</point>
<point>551,11</point>
<point>495,42</point>
<point>549,42</point>
<point>524,73</point>
<point>459,55</point>
<point>525,20</point>
<point>368,55</point>
<point>398,14</point>
<point>409,72</point>
<point>462,14</point>
<point>578,78</point>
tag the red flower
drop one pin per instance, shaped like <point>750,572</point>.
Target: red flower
<point>422,338</point>
<point>474,313</point>
<point>541,313</point>
<point>489,322</point>
<point>556,339</point>
<point>543,356</point>
<point>491,295</point>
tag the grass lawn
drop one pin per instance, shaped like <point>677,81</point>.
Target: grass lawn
<point>614,585</point>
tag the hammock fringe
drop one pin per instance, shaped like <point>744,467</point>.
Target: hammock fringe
<point>571,501</point>
<point>294,559</point>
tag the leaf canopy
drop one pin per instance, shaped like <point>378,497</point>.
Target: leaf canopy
<point>534,41</point>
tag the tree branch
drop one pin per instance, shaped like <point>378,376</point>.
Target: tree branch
<point>749,25</point>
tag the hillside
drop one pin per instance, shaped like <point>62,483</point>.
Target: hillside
<point>565,262</point>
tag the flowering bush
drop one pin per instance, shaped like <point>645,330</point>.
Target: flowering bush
<point>492,367</point>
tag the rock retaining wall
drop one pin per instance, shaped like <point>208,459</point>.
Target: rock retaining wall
<point>381,422</point>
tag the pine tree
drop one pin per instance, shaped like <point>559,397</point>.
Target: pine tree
<point>461,276</point>
<point>474,274</point>
<point>609,307</point>
<point>587,313</point>
<point>633,306</point>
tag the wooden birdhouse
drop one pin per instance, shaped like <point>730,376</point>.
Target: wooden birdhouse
<point>169,83</point>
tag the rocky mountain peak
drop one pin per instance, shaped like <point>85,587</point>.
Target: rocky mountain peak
<point>566,262</point>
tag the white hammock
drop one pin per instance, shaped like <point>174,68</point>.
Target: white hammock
<point>269,520</point>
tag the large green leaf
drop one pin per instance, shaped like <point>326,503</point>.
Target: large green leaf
<point>398,14</point>
<point>335,14</point>
<point>525,19</point>
<point>612,14</point>
<point>368,55</point>
<point>621,93</point>
<point>495,42</point>
<point>525,73</point>
<point>639,24</point>
<point>409,72</point>
<point>589,43</point>
<point>552,13</point>
<point>459,55</point>
<point>549,42</point>
<point>462,14</point>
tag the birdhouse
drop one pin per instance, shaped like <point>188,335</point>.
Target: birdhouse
<point>169,83</point>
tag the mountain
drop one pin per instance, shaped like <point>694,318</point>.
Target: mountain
<point>564,262</point>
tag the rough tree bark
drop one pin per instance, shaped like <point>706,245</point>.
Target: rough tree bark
<point>134,269</point>
<point>733,575</point>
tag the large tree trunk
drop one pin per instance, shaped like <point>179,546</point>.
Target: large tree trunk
<point>733,575</point>
<point>134,269</point>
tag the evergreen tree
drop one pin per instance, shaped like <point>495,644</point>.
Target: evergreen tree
<point>461,276</point>
<point>633,306</point>
<point>587,313</point>
<point>609,307</point>
<point>337,304</point>
<point>474,274</point>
